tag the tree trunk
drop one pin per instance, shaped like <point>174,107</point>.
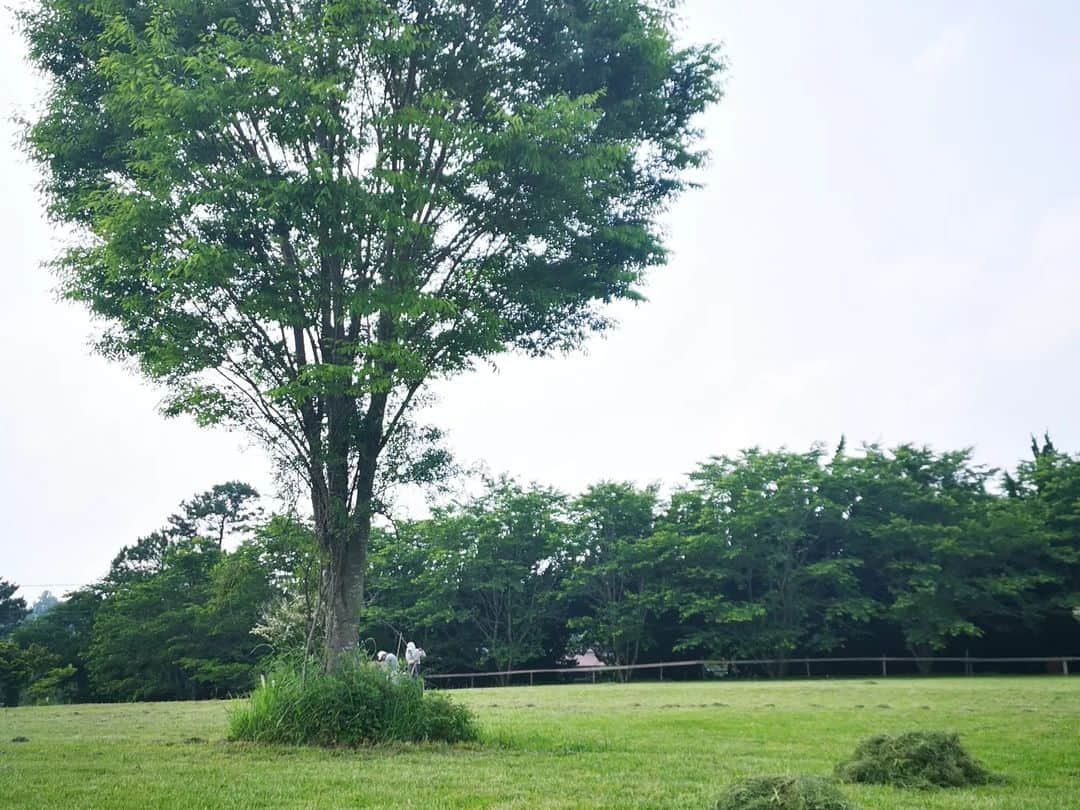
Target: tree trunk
<point>923,662</point>
<point>344,534</point>
<point>343,587</point>
<point>343,538</point>
<point>779,668</point>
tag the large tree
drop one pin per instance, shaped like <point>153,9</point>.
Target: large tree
<point>223,508</point>
<point>479,582</point>
<point>759,566</point>
<point>611,570</point>
<point>945,558</point>
<point>1049,484</point>
<point>297,214</point>
<point>512,547</point>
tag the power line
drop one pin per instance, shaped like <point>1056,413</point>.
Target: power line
<point>53,585</point>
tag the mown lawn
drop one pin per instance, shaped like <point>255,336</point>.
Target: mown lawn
<point>635,746</point>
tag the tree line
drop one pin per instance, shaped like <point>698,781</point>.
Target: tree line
<point>763,554</point>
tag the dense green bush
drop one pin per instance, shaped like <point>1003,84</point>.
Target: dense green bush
<point>784,793</point>
<point>357,704</point>
<point>916,759</point>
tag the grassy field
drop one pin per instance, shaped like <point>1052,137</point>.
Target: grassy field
<point>635,746</point>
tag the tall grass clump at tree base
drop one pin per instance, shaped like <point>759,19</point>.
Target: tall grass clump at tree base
<point>356,704</point>
<point>916,759</point>
<point>784,793</point>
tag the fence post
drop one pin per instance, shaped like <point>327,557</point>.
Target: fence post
<point>807,667</point>
<point>967,663</point>
<point>661,672</point>
<point>884,669</point>
<point>530,679</point>
<point>1065,666</point>
<point>472,682</point>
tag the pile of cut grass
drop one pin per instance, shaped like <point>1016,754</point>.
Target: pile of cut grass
<point>916,759</point>
<point>784,793</point>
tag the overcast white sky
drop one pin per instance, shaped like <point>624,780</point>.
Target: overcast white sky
<point>887,246</point>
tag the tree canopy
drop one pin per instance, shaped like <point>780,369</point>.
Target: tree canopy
<point>296,213</point>
<point>12,608</point>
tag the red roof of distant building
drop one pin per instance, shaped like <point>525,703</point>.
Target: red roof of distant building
<point>587,659</point>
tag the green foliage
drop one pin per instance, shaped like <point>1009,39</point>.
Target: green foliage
<point>915,759</point>
<point>413,589</point>
<point>611,570</point>
<point>512,542</point>
<point>784,793</point>
<point>286,550</point>
<point>139,561</point>
<point>296,215</point>
<point>758,562</point>
<point>1048,486</point>
<point>357,703</point>
<point>58,685</point>
<point>183,631</point>
<point>944,557</point>
<point>224,507</point>
<point>65,632</point>
<point>770,553</point>
<point>176,611</point>
<point>15,673</point>
<point>486,571</point>
<point>12,608</point>
<point>175,617</point>
<point>763,554</point>
<point>146,628</point>
<point>22,667</point>
<point>766,554</point>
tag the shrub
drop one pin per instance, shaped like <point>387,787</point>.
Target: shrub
<point>784,793</point>
<point>917,759</point>
<point>356,704</point>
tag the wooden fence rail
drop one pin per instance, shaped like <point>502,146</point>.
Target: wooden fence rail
<point>725,665</point>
